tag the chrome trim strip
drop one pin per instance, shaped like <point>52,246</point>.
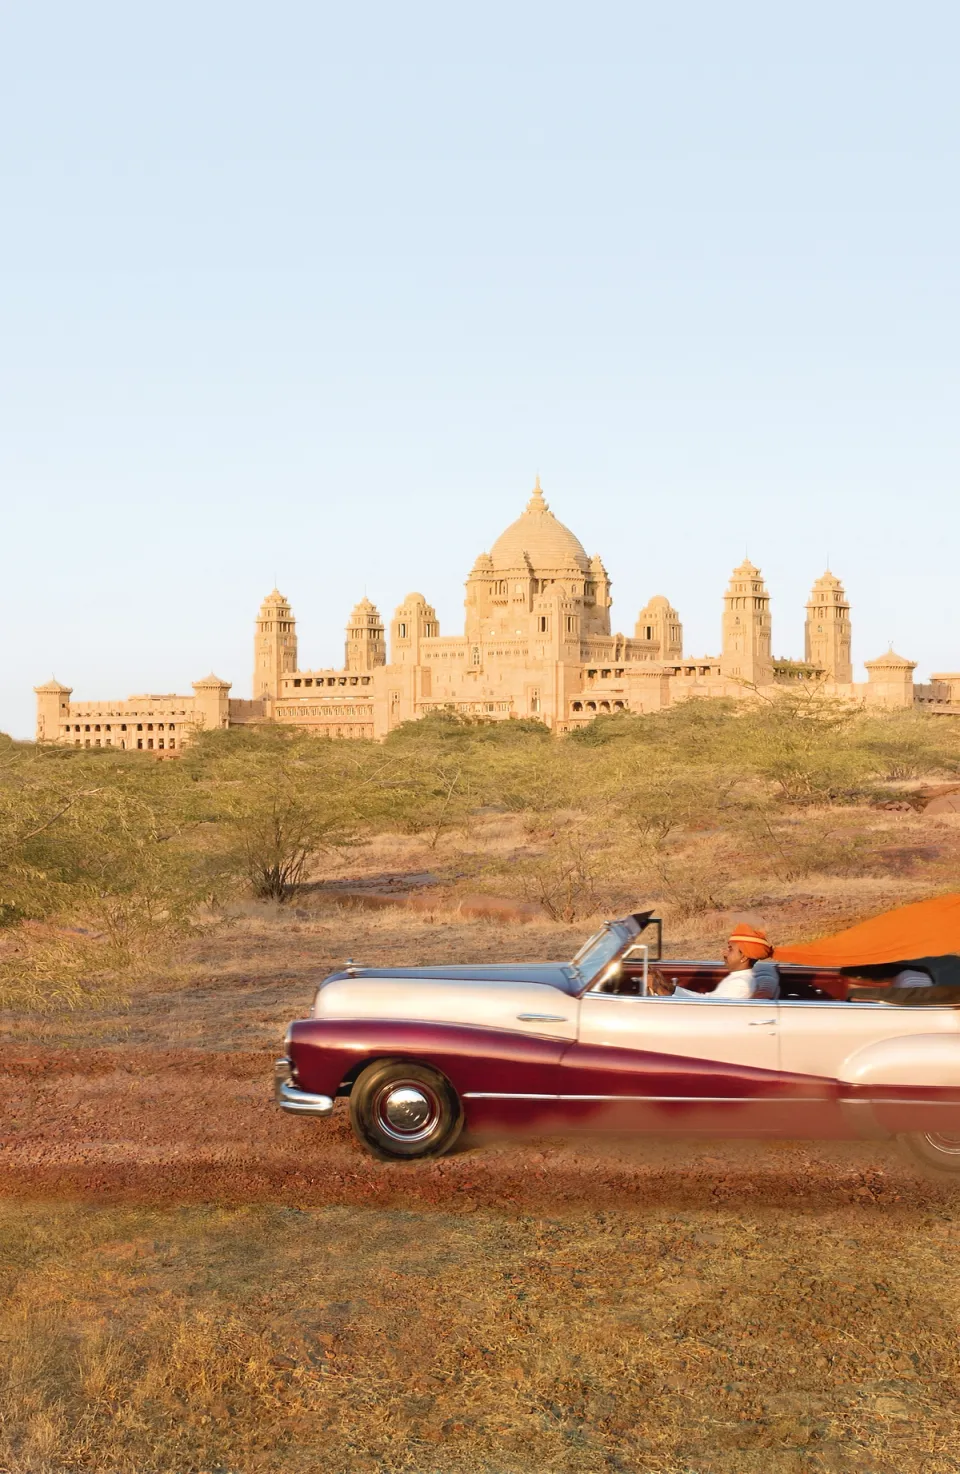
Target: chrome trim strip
<point>543,1018</point>
<point>900,1101</point>
<point>775,1002</point>
<point>704,1099</point>
<point>504,1095</point>
<point>653,998</point>
<point>853,1003</point>
<point>718,1099</point>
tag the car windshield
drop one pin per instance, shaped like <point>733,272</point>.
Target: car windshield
<point>598,952</point>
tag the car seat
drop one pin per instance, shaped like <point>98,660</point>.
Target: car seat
<point>766,979</point>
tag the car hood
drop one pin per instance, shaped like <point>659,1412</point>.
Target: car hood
<point>555,974</point>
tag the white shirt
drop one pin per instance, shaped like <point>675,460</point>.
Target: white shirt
<point>913,977</point>
<point>734,985</point>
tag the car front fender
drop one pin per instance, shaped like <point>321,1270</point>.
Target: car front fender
<point>326,1051</point>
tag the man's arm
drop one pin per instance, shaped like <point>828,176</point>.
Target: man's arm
<point>734,985</point>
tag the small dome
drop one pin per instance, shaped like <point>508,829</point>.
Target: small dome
<point>828,580</point>
<point>365,613</point>
<point>53,685</point>
<point>659,601</point>
<point>891,660</point>
<point>539,538</point>
<point>212,680</point>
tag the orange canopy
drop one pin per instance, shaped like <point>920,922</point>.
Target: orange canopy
<point>924,929</point>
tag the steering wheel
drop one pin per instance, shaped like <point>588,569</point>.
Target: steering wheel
<point>657,984</point>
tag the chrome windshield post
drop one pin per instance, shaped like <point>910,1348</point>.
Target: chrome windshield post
<point>632,952</point>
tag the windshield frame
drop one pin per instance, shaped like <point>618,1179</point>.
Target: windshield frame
<point>620,933</point>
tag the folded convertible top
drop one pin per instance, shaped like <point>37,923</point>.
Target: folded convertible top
<point>926,930</point>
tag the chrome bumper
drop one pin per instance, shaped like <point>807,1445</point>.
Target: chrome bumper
<point>290,1097</point>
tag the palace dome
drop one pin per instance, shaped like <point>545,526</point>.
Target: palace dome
<point>538,535</point>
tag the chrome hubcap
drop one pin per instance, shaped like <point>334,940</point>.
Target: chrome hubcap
<point>407,1110</point>
<point>944,1141</point>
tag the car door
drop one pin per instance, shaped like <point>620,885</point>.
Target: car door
<point>702,1065</point>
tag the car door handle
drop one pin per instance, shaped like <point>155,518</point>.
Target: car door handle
<point>759,1023</point>
<point>542,1018</point>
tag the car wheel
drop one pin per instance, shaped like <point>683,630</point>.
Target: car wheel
<point>937,1151</point>
<point>402,1112</point>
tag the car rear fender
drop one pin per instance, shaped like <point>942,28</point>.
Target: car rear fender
<point>919,1060</point>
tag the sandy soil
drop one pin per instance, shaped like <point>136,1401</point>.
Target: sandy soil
<point>165,1127</point>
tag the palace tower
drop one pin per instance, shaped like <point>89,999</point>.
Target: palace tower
<point>366,645</point>
<point>827,631</point>
<point>659,621</point>
<point>274,646</point>
<point>746,654</point>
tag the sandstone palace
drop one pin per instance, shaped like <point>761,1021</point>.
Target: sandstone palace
<point>536,643</point>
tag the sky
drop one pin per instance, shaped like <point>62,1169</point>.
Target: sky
<point>308,294</point>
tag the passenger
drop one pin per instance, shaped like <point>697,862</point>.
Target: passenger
<point>913,977</point>
<point>745,946</point>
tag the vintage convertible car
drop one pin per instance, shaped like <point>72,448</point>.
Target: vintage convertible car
<point>545,1047</point>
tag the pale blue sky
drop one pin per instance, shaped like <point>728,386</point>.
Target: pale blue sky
<point>311,293</point>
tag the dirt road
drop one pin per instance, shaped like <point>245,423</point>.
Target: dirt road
<point>170,1126</point>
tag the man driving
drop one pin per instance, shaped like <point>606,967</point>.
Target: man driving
<point>745,946</point>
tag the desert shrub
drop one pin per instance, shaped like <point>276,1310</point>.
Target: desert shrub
<point>92,847</point>
<point>279,798</point>
<point>694,730</point>
<point>691,879</point>
<point>571,876</point>
<point>908,744</point>
<point>466,731</point>
<point>805,745</point>
<point>820,843</point>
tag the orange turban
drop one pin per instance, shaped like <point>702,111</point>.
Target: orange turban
<point>752,943</point>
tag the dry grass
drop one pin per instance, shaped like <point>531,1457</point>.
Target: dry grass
<point>205,1340</point>
<point>863,856</point>
<point>808,875</point>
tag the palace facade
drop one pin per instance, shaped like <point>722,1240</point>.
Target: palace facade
<point>537,642</point>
